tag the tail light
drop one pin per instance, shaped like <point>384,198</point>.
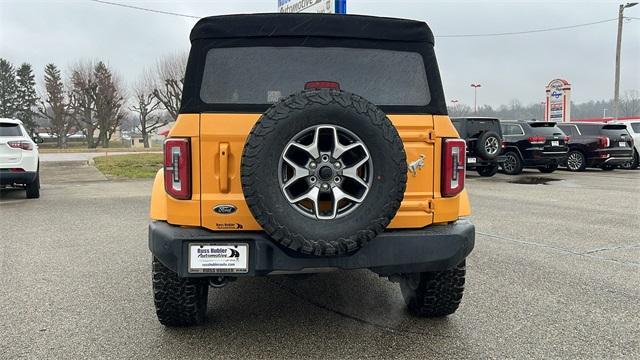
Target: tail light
<point>504,144</point>
<point>24,145</point>
<point>603,142</point>
<point>322,85</point>
<point>177,168</point>
<point>566,139</point>
<point>537,140</point>
<point>453,166</point>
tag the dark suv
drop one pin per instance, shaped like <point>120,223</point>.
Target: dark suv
<point>484,143</point>
<point>532,144</point>
<point>598,145</point>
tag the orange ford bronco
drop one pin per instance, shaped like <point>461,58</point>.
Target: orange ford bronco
<point>308,143</point>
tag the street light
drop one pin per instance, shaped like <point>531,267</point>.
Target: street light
<point>475,97</point>
<point>616,90</point>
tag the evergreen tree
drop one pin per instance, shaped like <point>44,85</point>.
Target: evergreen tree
<point>8,94</point>
<point>27,98</point>
<point>55,107</point>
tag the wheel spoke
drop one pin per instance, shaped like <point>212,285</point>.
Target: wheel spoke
<point>311,195</point>
<point>338,148</point>
<point>298,172</point>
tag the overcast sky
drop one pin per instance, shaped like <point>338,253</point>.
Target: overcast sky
<point>508,67</point>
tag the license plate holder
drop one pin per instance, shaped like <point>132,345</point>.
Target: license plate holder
<point>219,258</point>
<point>622,144</point>
<point>555,143</point>
<point>471,160</point>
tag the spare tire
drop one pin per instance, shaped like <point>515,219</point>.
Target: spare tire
<point>488,145</point>
<point>323,172</point>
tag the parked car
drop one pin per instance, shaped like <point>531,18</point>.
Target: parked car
<point>306,170</point>
<point>484,143</point>
<point>19,161</point>
<point>633,127</point>
<point>535,144</point>
<point>597,145</point>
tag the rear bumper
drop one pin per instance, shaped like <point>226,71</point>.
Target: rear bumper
<point>610,157</point>
<point>538,156</point>
<point>10,178</point>
<point>480,162</point>
<point>436,247</point>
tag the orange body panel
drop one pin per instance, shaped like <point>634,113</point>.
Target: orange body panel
<point>217,142</point>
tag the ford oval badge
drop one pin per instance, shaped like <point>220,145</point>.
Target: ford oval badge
<point>225,209</point>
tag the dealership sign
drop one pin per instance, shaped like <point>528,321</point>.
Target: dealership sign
<point>558,104</point>
<point>312,6</point>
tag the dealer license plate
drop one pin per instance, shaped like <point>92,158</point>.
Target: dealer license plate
<point>219,258</point>
<point>623,144</point>
<point>555,143</point>
<point>471,160</point>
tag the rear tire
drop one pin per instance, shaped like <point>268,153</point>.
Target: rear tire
<point>512,164</point>
<point>179,301</point>
<point>434,294</point>
<point>33,188</point>
<point>633,163</point>
<point>549,168</point>
<point>488,171</point>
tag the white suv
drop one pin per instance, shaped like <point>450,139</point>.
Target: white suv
<point>19,162</point>
<point>633,127</point>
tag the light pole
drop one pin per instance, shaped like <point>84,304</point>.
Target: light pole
<point>453,107</point>
<point>604,113</point>
<point>616,90</point>
<point>475,97</point>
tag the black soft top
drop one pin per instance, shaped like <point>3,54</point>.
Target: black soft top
<point>316,25</point>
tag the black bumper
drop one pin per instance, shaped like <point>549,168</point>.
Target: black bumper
<point>436,247</point>
<point>23,178</point>
<point>480,162</point>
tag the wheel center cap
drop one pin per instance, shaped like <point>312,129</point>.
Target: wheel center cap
<point>325,173</point>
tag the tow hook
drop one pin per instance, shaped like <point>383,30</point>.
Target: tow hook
<point>218,281</point>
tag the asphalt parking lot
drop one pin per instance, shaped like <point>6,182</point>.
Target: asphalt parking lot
<point>554,274</point>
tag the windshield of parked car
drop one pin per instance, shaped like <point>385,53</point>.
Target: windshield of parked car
<point>636,127</point>
<point>7,129</point>
<point>264,75</point>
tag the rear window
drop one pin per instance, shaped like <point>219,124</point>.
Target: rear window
<point>10,130</point>
<point>614,130</point>
<point>263,75</point>
<point>568,130</point>
<point>545,128</point>
<point>590,130</point>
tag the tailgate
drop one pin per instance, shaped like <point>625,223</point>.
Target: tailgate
<point>9,155</point>
<point>222,139</point>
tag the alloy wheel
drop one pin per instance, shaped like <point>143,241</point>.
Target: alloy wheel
<point>491,145</point>
<point>510,163</point>
<point>325,172</point>
<point>574,161</point>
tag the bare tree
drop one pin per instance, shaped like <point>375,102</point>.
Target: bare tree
<point>630,104</point>
<point>459,109</point>
<point>169,81</point>
<point>82,98</point>
<point>147,108</point>
<point>55,105</point>
<point>109,101</point>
